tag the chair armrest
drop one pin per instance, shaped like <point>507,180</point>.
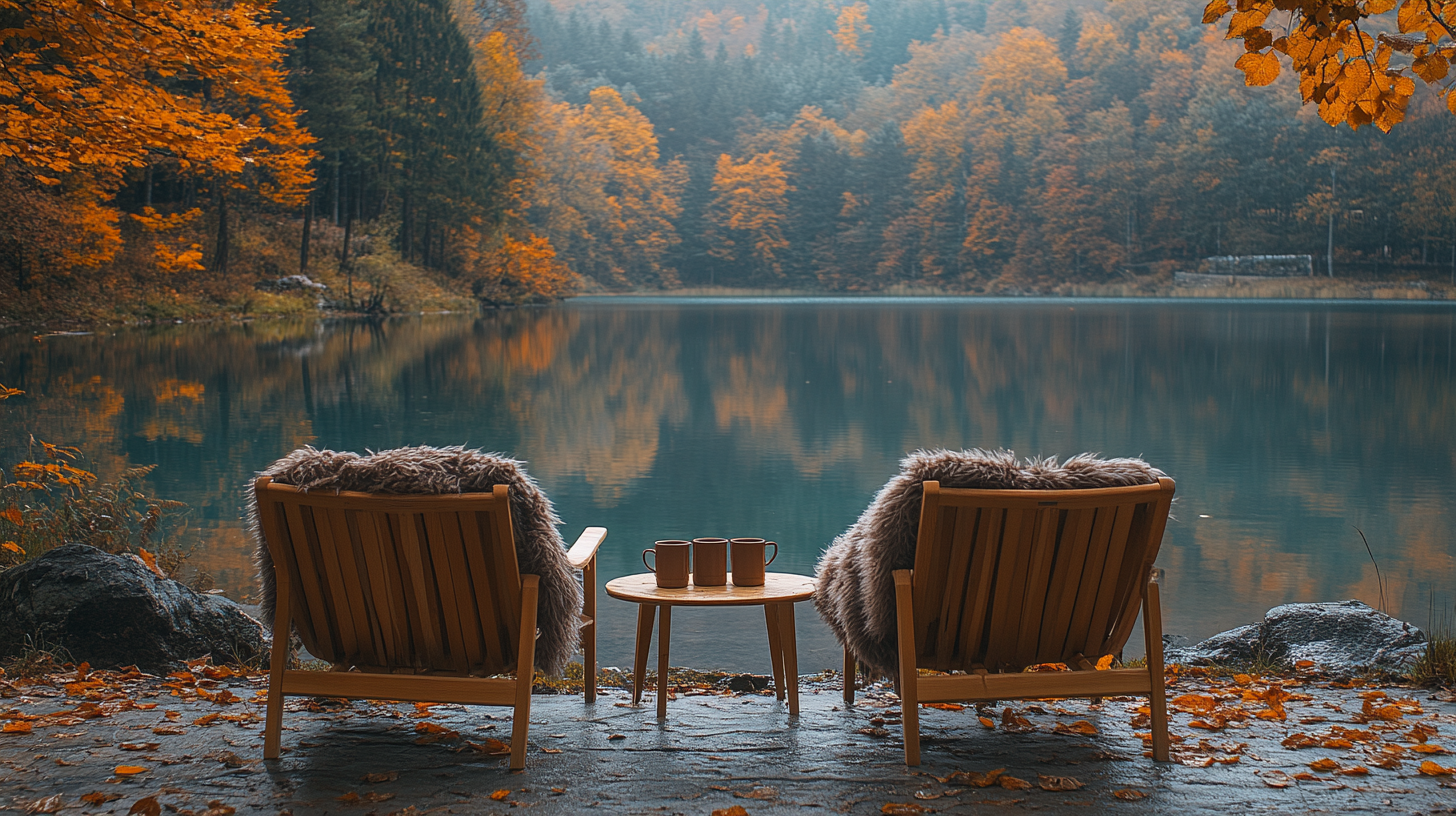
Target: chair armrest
<point>585,548</point>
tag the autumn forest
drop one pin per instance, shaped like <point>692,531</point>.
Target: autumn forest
<point>173,159</point>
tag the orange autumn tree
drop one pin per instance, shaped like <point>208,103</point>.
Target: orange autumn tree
<point>1354,58</point>
<point>93,89</point>
<point>747,214</point>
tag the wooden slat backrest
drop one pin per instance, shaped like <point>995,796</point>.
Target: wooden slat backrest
<point>1006,579</point>
<point>398,583</point>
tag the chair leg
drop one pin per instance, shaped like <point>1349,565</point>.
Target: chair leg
<point>278,661</point>
<point>909,686</point>
<point>589,638</point>
<point>525,671</point>
<point>1153,635</point>
<point>849,669</point>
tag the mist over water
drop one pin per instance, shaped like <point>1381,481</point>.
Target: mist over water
<point>1286,426</point>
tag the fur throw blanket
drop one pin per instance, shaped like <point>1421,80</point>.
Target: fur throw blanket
<point>540,549</point>
<point>856,585</point>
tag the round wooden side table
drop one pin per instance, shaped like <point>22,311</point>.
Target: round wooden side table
<point>777,596</point>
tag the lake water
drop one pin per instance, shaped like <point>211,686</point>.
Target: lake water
<point>1286,426</point>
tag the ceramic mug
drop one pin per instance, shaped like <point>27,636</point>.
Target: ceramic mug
<point>710,562</point>
<point>749,564</point>
<point>671,557</point>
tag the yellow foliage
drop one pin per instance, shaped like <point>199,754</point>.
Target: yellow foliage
<point>1342,68</point>
<point>94,88</point>
<point>750,206</point>
<point>852,31</point>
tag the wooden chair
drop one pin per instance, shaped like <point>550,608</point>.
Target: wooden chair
<point>409,598</point>
<point>1006,579</point>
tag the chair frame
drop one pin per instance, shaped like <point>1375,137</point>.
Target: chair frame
<point>1083,680</point>
<point>280,513</point>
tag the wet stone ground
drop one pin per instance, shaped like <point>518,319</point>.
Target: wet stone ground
<point>192,743</point>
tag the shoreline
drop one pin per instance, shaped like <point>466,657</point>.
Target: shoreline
<point>1364,294</point>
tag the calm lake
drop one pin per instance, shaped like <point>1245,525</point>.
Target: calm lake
<point>1286,425</point>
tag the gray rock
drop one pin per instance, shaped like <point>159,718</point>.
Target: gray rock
<point>290,283</point>
<point>749,682</point>
<point>1232,647</point>
<point>112,611</point>
<point>1348,636</point>
<point>1342,637</point>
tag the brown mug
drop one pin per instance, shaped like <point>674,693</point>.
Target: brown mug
<point>748,560</point>
<point>710,562</point>
<point>671,558</point>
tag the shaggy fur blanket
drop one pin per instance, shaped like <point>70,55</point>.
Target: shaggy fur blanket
<point>540,549</point>
<point>856,585</point>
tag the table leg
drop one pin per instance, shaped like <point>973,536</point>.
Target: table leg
<point>791,655</point>
<point>775,648</point>
<point>664,637</point>
<point>645,614</point>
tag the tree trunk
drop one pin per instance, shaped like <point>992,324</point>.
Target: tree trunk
<point>307,230</point>
<point>16,252</point>
<point>344,264</point>
<point>406,226</point>
<point>220,259</point>
<point>334,190</point>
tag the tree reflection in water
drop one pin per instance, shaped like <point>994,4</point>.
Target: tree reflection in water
<point>1284,424</point>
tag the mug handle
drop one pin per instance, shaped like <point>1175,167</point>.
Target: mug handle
<point>775,545</point>
<point>654,558</point>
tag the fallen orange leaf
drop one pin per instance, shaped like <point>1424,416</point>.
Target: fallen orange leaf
<point>1426,748</point>
<point>974,779</point>
<point>1104,663</point>
<point>16,728</point>
<point>945,706</point>
<point>146,806</point>
<point>1129,794</point>
<point>500,795</point>
<point>736,810</point>
<point>1080,727</point>
<point>1430,768</point>
<point>987,722</point>
<point>99,798</point>
<point>1324,765</point>
<point>901,807</point>
<point>1057,783</point>
<point>1012,783</point>
<point>139,746</point>
<point>491,746</point>
<point>128,770</point>
<point>1358,770</point>
<point>1193,703</point>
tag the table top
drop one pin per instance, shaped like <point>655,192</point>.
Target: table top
<point>778,587</point>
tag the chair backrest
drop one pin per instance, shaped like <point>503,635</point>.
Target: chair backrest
<point>387,582</point>
<point>1006,579</point>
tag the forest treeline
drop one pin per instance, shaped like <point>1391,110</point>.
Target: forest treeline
<point>505,151</point>
<point>979,145</point>
<point>174,153</point>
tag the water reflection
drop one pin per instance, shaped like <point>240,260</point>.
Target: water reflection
<point>1286,425</point>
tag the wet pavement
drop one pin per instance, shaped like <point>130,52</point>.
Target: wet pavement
<point>716,750</point>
